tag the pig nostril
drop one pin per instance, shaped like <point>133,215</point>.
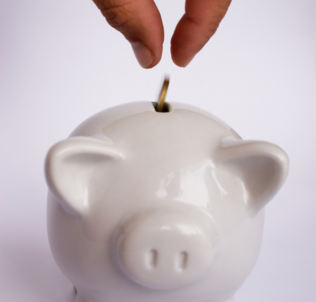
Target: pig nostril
<point>152,258</point>
<point>182,261</point>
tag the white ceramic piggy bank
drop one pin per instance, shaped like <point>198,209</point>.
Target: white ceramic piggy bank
<point>149,206</point>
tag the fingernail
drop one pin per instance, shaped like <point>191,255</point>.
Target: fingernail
<point>143,55</point>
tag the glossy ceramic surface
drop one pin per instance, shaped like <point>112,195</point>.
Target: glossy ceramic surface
<point>148,206</point>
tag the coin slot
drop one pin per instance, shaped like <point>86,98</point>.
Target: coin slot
<point>166,107</point>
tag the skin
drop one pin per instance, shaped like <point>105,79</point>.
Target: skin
<point>140,23</point>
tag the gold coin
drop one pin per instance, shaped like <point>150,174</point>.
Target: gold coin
<point>163,93</point>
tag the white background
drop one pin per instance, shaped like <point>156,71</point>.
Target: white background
<point>60,63</point>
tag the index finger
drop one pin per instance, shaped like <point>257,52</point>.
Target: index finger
<point>196,27</point>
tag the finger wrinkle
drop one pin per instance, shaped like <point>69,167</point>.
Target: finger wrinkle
<point>211,27</point>
<point>191,19</point>
<point>224,4</point>
<point>117,15</point>
<point>103,6</point>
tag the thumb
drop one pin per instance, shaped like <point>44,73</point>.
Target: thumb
<point>196,27</point>
<point>140,23</point>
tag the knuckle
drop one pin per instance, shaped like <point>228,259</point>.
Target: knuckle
<point>224,4</point>
<point>206,29</point>
<point>221,10</point>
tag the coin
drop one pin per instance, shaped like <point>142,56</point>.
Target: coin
<point>163,93</point>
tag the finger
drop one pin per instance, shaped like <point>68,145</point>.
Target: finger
<point>140,22</point>
<point>196,27</point>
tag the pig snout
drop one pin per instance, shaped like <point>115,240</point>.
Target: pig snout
<point>166,249</point>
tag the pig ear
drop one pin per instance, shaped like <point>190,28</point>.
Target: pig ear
<point>75,171</point>
<point>261,166</point>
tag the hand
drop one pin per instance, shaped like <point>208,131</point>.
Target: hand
<point>140,22</point>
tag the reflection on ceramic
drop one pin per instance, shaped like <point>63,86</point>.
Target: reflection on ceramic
<point>159,207</point>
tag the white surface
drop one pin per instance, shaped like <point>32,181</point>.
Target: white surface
<point>169,201</point>
<point>60,63</point>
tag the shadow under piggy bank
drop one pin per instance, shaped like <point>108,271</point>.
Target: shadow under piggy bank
<point>32,275</point>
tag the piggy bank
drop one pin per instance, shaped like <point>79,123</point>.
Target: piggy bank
<point>148,206</point>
